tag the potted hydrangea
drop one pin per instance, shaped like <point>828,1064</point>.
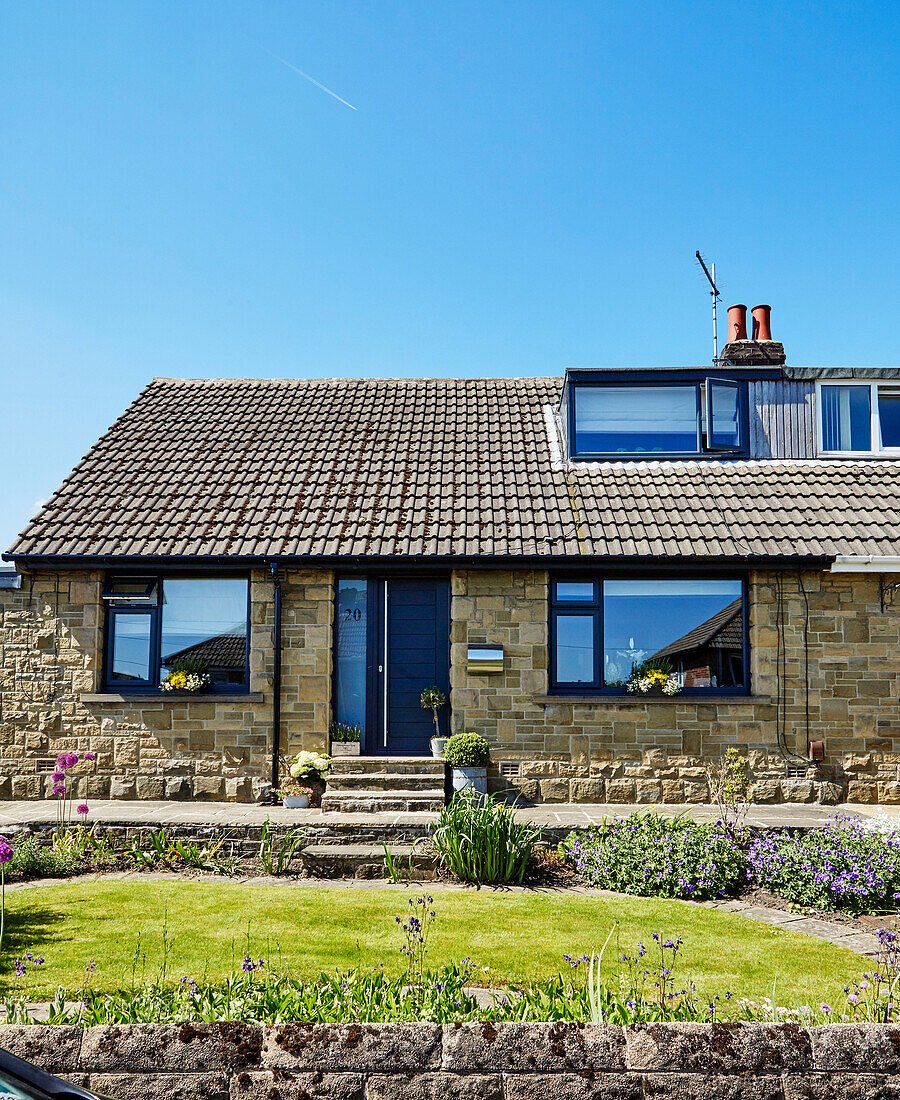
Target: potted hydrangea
<point>312,768</point>
<point>468,755</point>
<point>293,796</point>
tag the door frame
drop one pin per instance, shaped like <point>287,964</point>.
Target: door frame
<point>372,743</point>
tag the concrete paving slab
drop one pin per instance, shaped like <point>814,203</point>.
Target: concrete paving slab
<point>563,815</point>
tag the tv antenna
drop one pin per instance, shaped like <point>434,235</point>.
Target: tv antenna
<point>714,292</point>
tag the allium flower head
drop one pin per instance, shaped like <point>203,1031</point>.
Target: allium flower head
<point>83,808</point>
<point>59,789</point>
<point>90,756</point>
<point>58,777</point>
<point>6,852</point>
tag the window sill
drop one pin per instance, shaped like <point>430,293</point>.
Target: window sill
<point>638,700</point>
<point>172,697</point>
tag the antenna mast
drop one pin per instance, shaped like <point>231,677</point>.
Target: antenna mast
<point>714,292</point>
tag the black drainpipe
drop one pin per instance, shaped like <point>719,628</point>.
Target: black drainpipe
<point>276,678</point>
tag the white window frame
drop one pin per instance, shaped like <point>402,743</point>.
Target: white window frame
<point>875,420</point>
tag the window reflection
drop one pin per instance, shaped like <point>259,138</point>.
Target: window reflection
<point>575,649</point>
<point>636,419</point>
<point>694,626</point>
<point>204,619</point>
<point>130,638</point>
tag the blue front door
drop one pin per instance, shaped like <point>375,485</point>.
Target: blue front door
<point>415,637</point>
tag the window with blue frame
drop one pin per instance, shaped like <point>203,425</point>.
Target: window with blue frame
<point>156,623</point>
<point>604,629</point>
<point>657,419</point>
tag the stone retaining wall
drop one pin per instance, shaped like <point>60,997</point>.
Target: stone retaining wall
<point>481,1061</point>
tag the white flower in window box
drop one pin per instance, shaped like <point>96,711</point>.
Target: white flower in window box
<point>653,680</point>
<point>186,675</point>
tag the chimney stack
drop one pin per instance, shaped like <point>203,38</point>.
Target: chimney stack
<point>760,350</point>
<point>737,323</point>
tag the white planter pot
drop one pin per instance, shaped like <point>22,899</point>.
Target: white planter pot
<point>295,801</point>
<point>438,744</point>
<point>474,779</point>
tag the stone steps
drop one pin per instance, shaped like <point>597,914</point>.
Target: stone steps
<point>385,784</point>
<point>383,781</point>
<point>378,801</point>
<point>395,765</point>
<point>366,861</point>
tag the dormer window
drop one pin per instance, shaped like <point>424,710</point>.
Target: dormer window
<point>649,419</point>
<point>859,418</point>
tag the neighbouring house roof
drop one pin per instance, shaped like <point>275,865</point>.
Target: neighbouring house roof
<point>724,630</point>
<point>431,467</point>
<point>221,651</point>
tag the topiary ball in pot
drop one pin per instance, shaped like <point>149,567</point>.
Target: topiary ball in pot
<point>468,754</point>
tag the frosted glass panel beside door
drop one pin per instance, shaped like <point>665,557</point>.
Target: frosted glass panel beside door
<point>350,651</point>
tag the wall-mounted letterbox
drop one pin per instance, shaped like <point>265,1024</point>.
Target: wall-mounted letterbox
<point>485,658</point>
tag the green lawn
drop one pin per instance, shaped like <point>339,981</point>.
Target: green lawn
<point>514,936</point>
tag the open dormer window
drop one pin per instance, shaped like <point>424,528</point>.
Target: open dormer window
<point>657,419</point>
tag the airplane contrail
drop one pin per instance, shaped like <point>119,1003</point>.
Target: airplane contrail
<point>306,76</point>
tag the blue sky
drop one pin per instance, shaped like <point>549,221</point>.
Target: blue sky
<point>521,188</point>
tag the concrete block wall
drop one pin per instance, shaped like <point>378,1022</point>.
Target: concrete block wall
<point>470,1061</point>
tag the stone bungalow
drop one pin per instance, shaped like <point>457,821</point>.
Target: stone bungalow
<point>329,548</point>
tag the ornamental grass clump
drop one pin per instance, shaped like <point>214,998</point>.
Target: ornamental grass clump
<point>481,840</point>
<point>655,856</point>
<point>842,865</point>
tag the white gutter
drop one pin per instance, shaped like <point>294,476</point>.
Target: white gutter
<point>866,563</point>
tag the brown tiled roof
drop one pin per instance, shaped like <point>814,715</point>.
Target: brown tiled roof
<point>724,630</point>
<point>220,651</point>
<point>442,467</point>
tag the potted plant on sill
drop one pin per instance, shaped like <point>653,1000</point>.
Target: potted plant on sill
<point>468,755</point>
<point>433,699</point>
<point>187,675</point>
<point>295,797</point>
<point>347,736</point>
<point>312,767</point>
<point>653,679</point>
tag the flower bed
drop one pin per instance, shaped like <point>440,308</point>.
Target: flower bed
<point>842,865</point>
<point>656,856</point>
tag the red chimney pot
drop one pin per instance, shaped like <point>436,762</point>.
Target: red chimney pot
<point>737,323</point>
<point>762,327</point>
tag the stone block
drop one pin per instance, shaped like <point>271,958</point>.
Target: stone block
<point>672,790</point>
<point>764,790</point>
<point>171,1086</point>
<point>54,1049</point>
<point>829,794</point>
<point>434,1086</point>
<point>554,790</point>
<point>157,719</point>
<point>151,787</point>
<point>850,1047</point>
<point>208,787</point>
<point>863,791</point>
<point>543,1048</point>
<point>239,789</point>
<point>189,1048</point>
<point>620,790</point>
<point>587,790</point>
<point>797,790</point>
<point>718,1048</point>
<point>178,788</point>
<point>704,1086</point>
<point>889,793</point>
<point>280,1085</point>
<point>574,1086</point>
<point>366,1048</point>
<point>695,791</point>
<point>122,786</point>
<point>648,790</point>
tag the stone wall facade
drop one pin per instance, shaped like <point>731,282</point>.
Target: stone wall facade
<point>470,1061</point>
<point>828,631</point>
<point>824,655</point>
<point>153,746</point>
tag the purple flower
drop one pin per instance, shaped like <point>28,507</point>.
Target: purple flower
<point>90,756</point>
<point>6,852</point>
<point>59,789</point>
<point>58,777</point>
<point>82,809</point>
